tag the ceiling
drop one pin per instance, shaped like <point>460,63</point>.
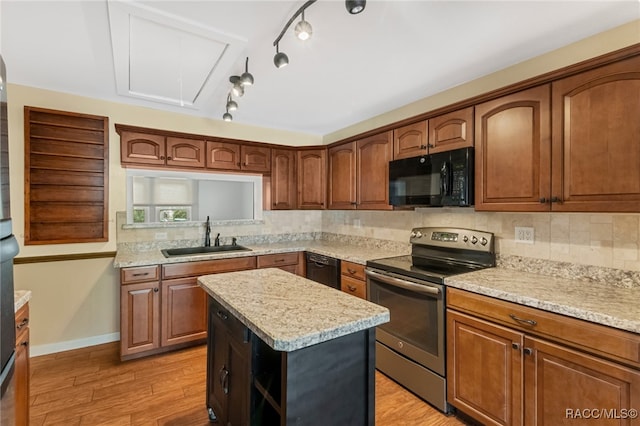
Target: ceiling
<point>178,55</point>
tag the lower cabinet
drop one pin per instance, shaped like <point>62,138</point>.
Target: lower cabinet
<point>22,366</point>
<point>290,262</point>
<point>530,374</point>
<point>352,279</point>
<point>163,308</point>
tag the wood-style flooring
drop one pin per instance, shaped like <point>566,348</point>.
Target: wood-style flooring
<point>90,386</point>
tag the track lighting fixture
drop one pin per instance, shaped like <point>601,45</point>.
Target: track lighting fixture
<point>237,90</point>
<point>231,104</point>
<point>280,59</point>
<point>355,6</point>
<point>246,79</point>
<point>303,29</point>
<point>226,116</point>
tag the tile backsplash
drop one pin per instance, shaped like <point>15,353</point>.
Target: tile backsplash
<point>608,240</point>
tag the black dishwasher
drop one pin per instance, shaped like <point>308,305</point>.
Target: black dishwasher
<point>323,269</point>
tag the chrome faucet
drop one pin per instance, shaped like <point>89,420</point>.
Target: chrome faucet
<point>217,240</point>
<point>207,234</point>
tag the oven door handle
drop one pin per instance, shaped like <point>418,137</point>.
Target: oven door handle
<point>407,285</point>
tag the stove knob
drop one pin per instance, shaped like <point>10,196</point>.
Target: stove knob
<point>474,240</point>
<point>413,234</point>
<point>418,234</point>
<point>484,241</point>
<point>465,239</point>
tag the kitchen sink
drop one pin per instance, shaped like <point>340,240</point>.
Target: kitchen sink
<point>190,251</point>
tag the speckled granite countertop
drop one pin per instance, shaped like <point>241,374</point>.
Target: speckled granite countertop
<point>597,302</point>
<point>20,297</point>
<point>289,312</point>
<point>338,249</point>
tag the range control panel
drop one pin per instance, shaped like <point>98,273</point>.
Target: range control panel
<point>460,238</point>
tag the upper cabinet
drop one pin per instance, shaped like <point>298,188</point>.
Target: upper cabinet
<point>596,139</point>
<point>158,150</point>
<point>450,131</point>
<point>571,145</point>
<point>283,179</point>
<point>359,173</point>
<point>410,140</point>
<point>232,156</point>
<point>312,178</point>
<point>512,151</point>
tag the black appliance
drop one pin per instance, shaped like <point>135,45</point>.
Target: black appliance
<point>323,269</point>
<point>8,250</point>
<point>411,347</point>
<point>435,180</point>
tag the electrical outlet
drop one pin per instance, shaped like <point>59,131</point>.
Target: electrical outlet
<point>161,236</point>
<point>524,234</point>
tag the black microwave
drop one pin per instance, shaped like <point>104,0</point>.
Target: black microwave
<point>435,180</point>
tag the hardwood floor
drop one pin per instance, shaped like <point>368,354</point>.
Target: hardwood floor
<point>90,386</point>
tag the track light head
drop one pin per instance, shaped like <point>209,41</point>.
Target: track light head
<point>280,59</point>
<point>231,104</point>
<point>246,79</point>
<point>303,29</point>
<point>355,6</point>
<point>227,117</point>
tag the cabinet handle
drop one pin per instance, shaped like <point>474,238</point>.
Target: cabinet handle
<point>555,200</point>
<point>431,145</point>
<point>222,315</point>
<point>162,157</point>
<point>224,379</point>
<point>141,274</point>
<point>354,203</point>
<point>515,345</point>
<point>522,320</point>
<point>279,260</point>
<point>351,288</point>
<point>423,147</point>
<point>25,343</point>
<point>543,200</point>
<point>23,323</point>
<point>528,351</point>
<point>169,158</point>
<point>351,271</point>
<point>155,290</point>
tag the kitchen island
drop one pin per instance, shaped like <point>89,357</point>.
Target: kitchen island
<point>286,350</point>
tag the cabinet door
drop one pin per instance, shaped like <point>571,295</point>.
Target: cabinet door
<point>185,152</point>
<point>142,148</point>
<point>223,156</point>
<point>596,147</point>
<point>342,177</point>
<point>512,152</point>
<point>373,156</point>
<point>283,179</point>
<point>255,158</point>
<point>560,381</point>
<point>22,366</point>
<point>451,131</point>
<point>410,141</point>
<point>140,312</point>
<point>184,311</point>
<point>217,370</point>
<point>312,172</point>
<point>484,369</point>
<point>238,383</point>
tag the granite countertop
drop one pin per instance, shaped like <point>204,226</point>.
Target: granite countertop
<point>289,312</point>
<point>21,298</point>
<point>351,252</point>
<point>598,302</point>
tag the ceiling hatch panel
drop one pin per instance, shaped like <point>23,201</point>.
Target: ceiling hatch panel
<point>165,58</point>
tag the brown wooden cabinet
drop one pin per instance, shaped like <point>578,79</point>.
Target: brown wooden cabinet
<point>512,151</point>
<point>410,140</point>
<point>161,311</point>
<point>233,156</point>
<point>22,366</point>
<point>510,365</point>
<point>158,150</point>
<point>596,142</point>
<point>450,131</point>
<point>312,178</point>
<point>283,179</point>
<point>290,262</point>
<point>353,279</point>
<point>359,173</point>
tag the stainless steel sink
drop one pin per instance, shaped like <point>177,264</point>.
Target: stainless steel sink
<point>191,251</point>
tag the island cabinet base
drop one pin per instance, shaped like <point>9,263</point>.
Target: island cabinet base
<point>329,383</point>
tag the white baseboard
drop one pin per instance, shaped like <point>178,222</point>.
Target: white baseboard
<point>68,345</point>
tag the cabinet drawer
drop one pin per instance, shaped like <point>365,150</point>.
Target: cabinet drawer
<point>139,274</point>
<point>595,338</point>
<point>194,269</point>
<point>22,320</point>
<point>277,260</point>
<point>353,270</point>
<point>236,329</point>
<point>354,287</point>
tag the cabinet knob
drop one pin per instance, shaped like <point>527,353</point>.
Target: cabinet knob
<point>23,323</point>
<point>515,345</point>
<point>555,200</point>
<point>162,157</point>
<point>169,158</point>
<point>543,200</point>
<point>25,343</point>
<point>431,145</point>
<point>155,290</point>
<point>351,271</point>
<point>528,351</point>
<point>351,288</point>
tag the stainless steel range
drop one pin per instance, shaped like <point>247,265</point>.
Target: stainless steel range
<point>411,347</point>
